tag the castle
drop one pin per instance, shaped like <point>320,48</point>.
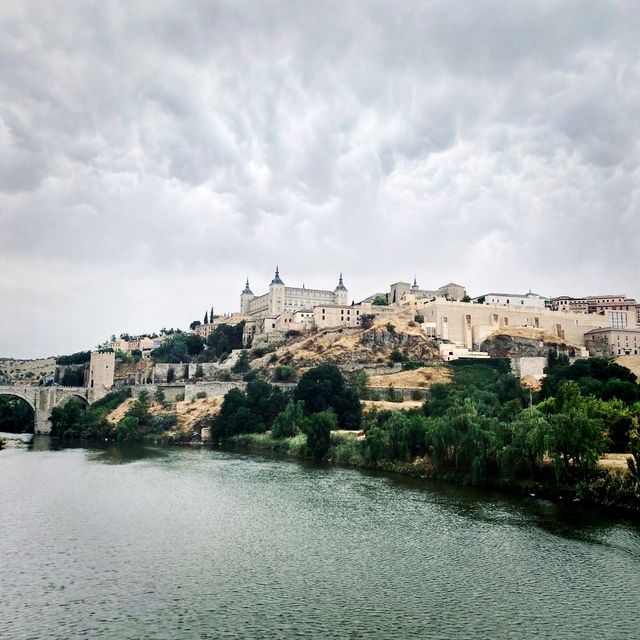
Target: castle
<point>280,299</point>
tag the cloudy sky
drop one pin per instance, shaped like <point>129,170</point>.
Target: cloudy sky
<point>154,154</point>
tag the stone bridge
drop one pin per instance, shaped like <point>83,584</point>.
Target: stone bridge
<point>43,399</point>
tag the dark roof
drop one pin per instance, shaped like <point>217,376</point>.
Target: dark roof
<point>276,278</point>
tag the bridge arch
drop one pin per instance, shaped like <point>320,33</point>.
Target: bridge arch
<point>72,396</point>
<point>30,426</point>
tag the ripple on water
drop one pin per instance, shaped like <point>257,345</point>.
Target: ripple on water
<point>212,545</point>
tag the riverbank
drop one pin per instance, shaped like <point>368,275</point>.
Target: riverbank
<point>608,488</point>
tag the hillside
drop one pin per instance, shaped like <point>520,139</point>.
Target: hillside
<point>26,372</point>
<point>508,342</point>
<point>351,348</point>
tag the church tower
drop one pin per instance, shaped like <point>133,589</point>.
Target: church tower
<point>414,287</point>
<point>276,295</point>
<point>341,293</point>
<point>245,298</point>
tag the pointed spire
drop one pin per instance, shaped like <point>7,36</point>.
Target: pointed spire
<point>276,278</point>
<point>415,286</point>
<point>341,286</point>
<point>247,289</point>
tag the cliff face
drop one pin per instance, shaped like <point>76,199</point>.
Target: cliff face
<point>510,346</point>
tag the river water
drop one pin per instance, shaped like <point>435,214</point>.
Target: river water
<point>134,542</point>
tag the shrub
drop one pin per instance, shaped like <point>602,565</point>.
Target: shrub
<point>171,375</point>
<point>242,364</point>
<point>200,395</point>
<point>129,429</point>
<point>162,423</point>
<point>416,394</point>
<point>284,373</point>
<point>396,356</point>
<point>288,422</point>
<point>419,318</point>
<point>366,320</point>
<point>318,429</point>
<point>199,372</point>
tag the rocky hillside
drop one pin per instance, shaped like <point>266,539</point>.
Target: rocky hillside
<point>510,342</point>
<point>26,372</point>
<point>352,348</point>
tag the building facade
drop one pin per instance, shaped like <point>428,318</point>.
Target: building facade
<point>601,304</point>
<point>282,299</point>
<point>528,300</point>
<point>399,290</point>
<point>470,324</point>
<point>613,342</point>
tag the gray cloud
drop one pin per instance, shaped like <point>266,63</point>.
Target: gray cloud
<point>154,154</point>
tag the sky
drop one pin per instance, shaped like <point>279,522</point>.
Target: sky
<point>155,154</point>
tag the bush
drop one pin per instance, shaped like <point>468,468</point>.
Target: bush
<point>347,450</point>
<point>366,320</point>
<point>416,394</point>
<point>396,356</point>
<point>419,318</point>
<point>242,364</point>
<point>318,429</point>
<point>285,373</point>
<point>129,430</point>
<point>162,423</point>
<point>200,395</point>
<point>171,375</point>
<point>289,421</point>
<point>199,372</point>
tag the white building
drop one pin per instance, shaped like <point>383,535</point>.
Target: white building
<point>523,301</point>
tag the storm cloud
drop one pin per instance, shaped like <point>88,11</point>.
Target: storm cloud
<point>154,154</point>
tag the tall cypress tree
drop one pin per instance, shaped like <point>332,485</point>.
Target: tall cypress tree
<point>206,317</point>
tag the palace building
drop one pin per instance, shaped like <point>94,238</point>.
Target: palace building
<point>282,299</point>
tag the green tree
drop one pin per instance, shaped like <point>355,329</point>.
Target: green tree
<point>574,440</point>
<point>380,300</point>
<point>323,388</point>
<point>284,373</point>
<point>289,421</point>
<point>129,430</point>
<point>318,429</point>
<point>242,364</point>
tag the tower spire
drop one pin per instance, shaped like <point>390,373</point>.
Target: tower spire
<point>276,278</point>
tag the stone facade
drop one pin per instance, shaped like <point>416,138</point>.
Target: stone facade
<point>610,303</point>
<point>613,342</point>
<point>282,299</point>
<point>101,370</point>
<point>523,301</point>
<point>469,324</point>
<point>398,291</point>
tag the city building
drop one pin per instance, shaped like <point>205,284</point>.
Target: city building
<point>399,290</point>
<point>468,325</point>
<point>280,298</point>
<point>600,304</point>
<point>528,300</point>
<point>608,341</point>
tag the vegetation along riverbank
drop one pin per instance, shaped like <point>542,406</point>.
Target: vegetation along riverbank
<point>481,427</point>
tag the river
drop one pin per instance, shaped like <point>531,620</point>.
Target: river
<point>132,542</point>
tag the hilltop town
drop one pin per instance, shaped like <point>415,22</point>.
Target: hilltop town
<point>399,339</point>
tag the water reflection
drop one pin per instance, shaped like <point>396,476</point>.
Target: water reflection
<point>139,541</point>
